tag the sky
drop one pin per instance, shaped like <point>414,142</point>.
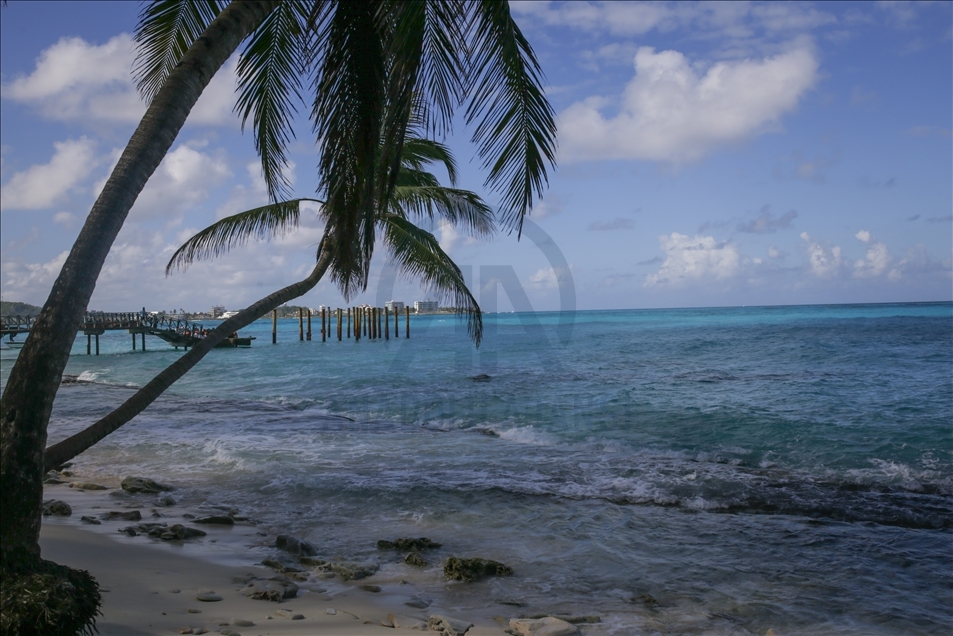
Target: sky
<point>709,155</point>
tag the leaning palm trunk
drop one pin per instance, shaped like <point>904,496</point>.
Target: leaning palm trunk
<point>28,396</point>
<point>76,444</point>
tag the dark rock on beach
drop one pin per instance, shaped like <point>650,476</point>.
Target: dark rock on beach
<point>294,546</point>
<point>91,520</point>
<point>418,544</point>
<point>448,626</point>
<point>474,569</point>
<point>281,565</point>
<point>351,571</point>
<point>57,508</point>
<point>85,485</point>
<point>415,558</point>
<point>275,589</point>
<point>142,484</point>
<point>312,561</point>
<point>129,515</point>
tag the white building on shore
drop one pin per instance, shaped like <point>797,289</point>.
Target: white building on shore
<point>395,305</point>
<point>426,306</point>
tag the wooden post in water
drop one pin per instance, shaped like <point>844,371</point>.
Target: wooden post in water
<point>143,340</point>
<point>386,323</point>
<point>309,324</point>
<point>300,324</point>
<point>325,323</point>
<point>407,321</point>
<point>348,323</point>
<point>380,317</point>
<point>357,325</point>
<point>373,317</point>
<point>364,320</point>
<point>97,344</point>
<point>396,324</point>
<point>274,326</point>
<point>89,344</point>
<point>340,324</point>
<point>133,342</point>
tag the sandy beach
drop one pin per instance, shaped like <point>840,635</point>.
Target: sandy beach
<point>152,587</point>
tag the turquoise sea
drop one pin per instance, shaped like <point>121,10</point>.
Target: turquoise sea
<point>679,471</point>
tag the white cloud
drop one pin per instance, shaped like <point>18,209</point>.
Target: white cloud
<point>43,186</point>
<point>23,280</point>
<point>877,259</point>
<point>63,218</point>
<point>77,81</point>
<point>875,263</point>
<point>669,112</point>
<point>692,259</point>
<point>774,252</point>
<point>824,261</point>
<point>182,180</point>
<point>449,236</point>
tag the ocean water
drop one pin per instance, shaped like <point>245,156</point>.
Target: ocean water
<point>746,468</point>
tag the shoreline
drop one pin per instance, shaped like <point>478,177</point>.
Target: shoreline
<point>150,587</point>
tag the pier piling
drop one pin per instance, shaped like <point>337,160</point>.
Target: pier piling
<point>396,324</point>
<point>300,324</point>
<point>386,323</point>
<point>274,326</point>
<point>309,325</point>
<point>324,325</point>
<point>339,324</point>
<point>407,321</point>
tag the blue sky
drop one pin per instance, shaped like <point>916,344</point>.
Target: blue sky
<point>710,155</point>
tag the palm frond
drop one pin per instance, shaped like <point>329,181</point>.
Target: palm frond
<point>516,130</point>
<point>443,68</point>
<point>166,30</point>
<point>232,231</point>
<point>462,208</point>
<point>348,113</point>
<point>269,85</point>
<point>418,254</point>
<point>419,152</point>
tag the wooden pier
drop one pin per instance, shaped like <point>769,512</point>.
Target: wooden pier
<point>372,323</point>
<point>177,332</point>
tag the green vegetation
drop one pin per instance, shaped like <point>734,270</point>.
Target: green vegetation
<point>8,308</point>
<point>41,598</point>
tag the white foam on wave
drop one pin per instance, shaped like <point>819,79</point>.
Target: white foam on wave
<point>528,435</point>
<point>87,376</point>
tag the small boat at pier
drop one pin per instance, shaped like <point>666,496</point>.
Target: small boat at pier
<point>188,340</point>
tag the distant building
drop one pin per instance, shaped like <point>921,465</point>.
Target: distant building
<point>395,305</point>
<point>426,306</point>
<point>217,311</point>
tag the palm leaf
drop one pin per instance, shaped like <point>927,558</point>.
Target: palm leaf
<point>166,30</point>
<point>516,129</point>
<point>460,207</point>
<point>419,152</point>
<point>221,236</point>
<point>418,254</point>
<point>269,85</point>
<point>348,114</point>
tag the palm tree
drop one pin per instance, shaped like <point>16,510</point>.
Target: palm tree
<point>371,64</point>
<point>416,252</point>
